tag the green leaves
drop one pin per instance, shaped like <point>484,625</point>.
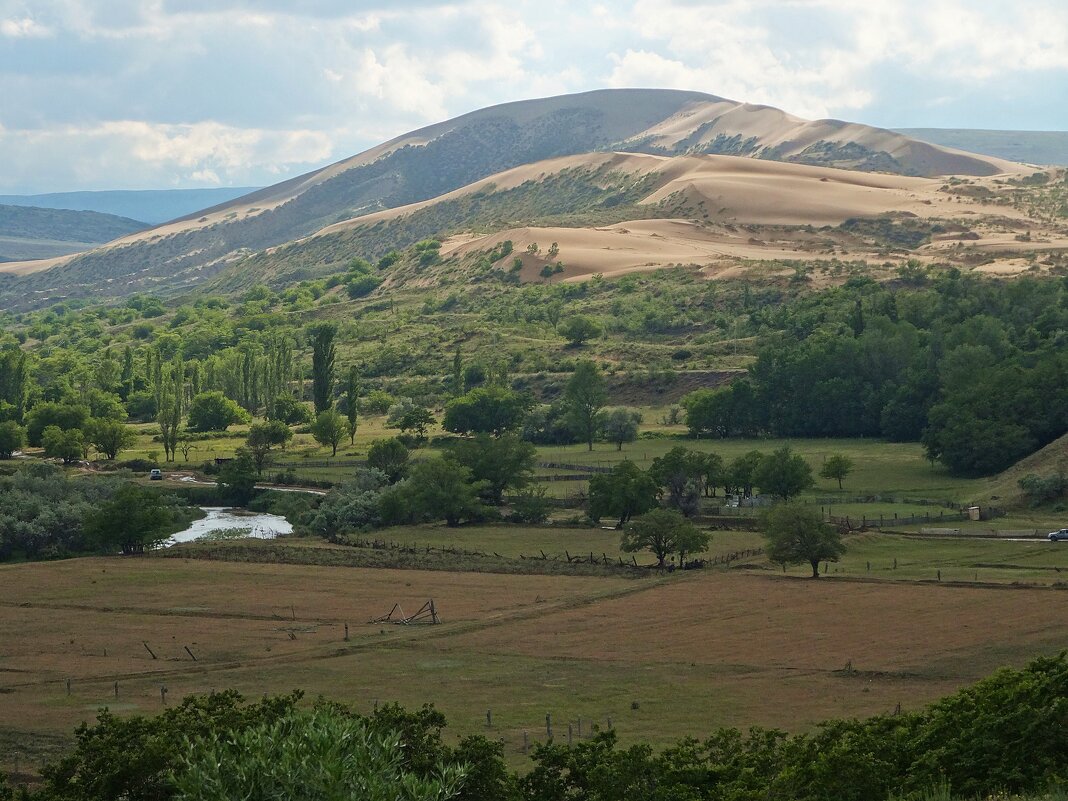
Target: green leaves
<point>321,755</point>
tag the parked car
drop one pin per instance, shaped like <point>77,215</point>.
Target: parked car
<point>155,474</point>
<point>1057,536</point>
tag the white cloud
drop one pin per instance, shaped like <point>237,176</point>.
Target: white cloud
<point>288,85</point>
<point>23,28</point>
<point>136,153</point>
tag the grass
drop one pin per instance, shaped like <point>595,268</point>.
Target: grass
<point>516,541</point>
<point>896,469</point>
<point>1037,563</point>
<point>662,657</point>
<point>888,470</point>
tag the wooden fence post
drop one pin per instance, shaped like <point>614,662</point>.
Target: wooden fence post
<point>549,726</point>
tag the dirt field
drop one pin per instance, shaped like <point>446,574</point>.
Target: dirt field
<point>663,658</point>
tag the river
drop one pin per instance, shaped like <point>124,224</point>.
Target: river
<point>218,518</point>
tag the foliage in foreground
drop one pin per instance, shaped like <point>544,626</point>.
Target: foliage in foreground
<point>1007,733</point>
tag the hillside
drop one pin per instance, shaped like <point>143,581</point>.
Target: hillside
<point>441,158</point>
<point>41,233</point>
<point>153,206</point>
<point>1029,147</point>
<point>612,213</point>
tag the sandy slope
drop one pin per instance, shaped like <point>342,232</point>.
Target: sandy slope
<point>632,247</point>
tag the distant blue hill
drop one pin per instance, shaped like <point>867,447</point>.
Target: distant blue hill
<point>152,206</point>
<point>1030,147</point>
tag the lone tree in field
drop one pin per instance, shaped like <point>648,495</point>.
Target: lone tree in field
<point>330,428</point>
<point>783,473</point>
<point>323,366</point>
<point>663,532</point>
<point>620,425</point>
<point>837,466</point>
<point>110,437</point>
<point>578,329</point>
<point>624,493</point>
<point>797,534</point>
<point>584,398</point>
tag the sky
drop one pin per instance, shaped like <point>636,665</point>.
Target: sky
<point>156,94</point>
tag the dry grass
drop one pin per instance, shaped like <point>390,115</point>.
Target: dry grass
<point>693,652</point>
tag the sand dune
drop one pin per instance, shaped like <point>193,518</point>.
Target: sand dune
<point>631,247</point>
<point>727,188</point>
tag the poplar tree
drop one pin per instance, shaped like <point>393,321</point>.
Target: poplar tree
<point>323,353</point>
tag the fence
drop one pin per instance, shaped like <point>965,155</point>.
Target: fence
<point>322,463</point>
<point>832,501</point>
<point>582,468</point>
<point>852,522</point>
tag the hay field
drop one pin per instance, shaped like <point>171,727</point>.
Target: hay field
<point>662,657</point>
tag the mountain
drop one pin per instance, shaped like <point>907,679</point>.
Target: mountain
<point>1029,147</point>
<point>151,205</point>
<point>441,158</point>
<point>612,213</point>
<point>36,233</point>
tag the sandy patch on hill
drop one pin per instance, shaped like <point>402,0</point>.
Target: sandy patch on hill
<point>632,246</point>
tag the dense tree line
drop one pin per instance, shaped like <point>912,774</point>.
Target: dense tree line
<point>977,370</point>
<point>1003,734</point>
<point>46,514</point>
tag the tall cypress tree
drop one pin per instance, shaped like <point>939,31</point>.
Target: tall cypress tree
<point>323,353</point>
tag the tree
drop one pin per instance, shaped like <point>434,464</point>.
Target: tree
<point>185,445</point>
<point>837,466</point>
<point>132,520</point>
<point>738,478</point>
<point>390,456</point>
<point>66,444</point>
<point>60,415</point>
<point>170,405</point>
<point>352,402</point>
<point>578,329</point>
<point>407,416</point>
<point>623,493</point>
<point>711,469</point>
<point>330,428</point>
<point>264,436</point>
<point>12,438</point>
<point>290,410</point>
<point>213,411</point>
<point>318,755</point>
<point>679,472</point>
<point>620,425</point>
<point>237,477</point>
<point>436,489</point>
<point>663,532</point>
<point>797,534</point>
<point>323,353</point>
<point>584,397</point>
<point>487,410</point>
<point>498,463</point>
<point>783,474</point>
<point>109,437</point>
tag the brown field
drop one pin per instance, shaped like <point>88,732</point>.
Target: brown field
<point>691,652</point>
